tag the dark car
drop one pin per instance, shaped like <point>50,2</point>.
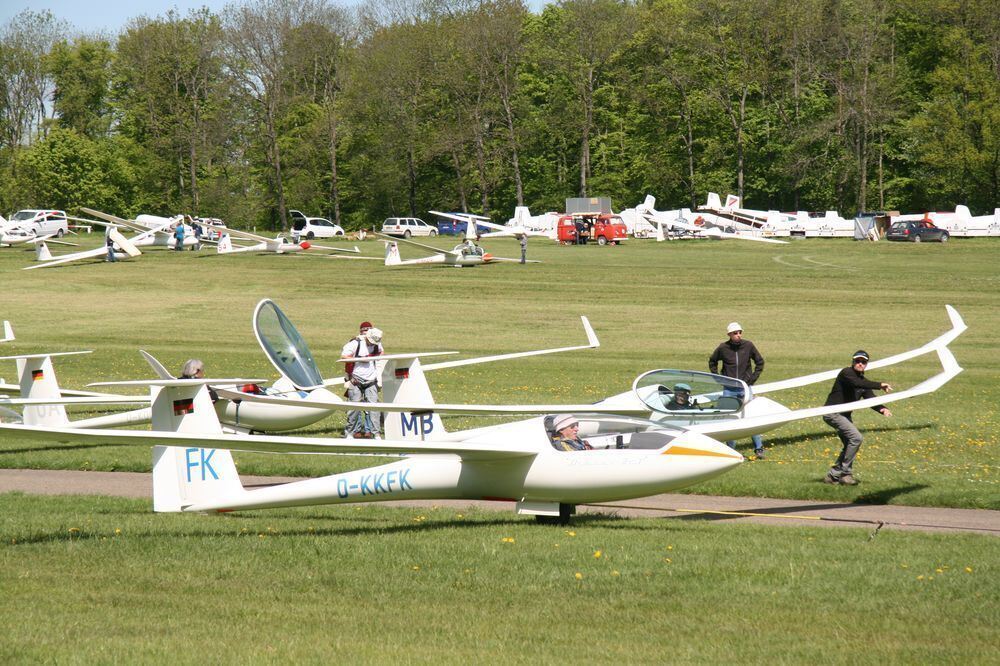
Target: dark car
<point>923,230</point>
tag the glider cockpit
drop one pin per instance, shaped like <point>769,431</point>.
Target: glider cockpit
<point>685,396</point>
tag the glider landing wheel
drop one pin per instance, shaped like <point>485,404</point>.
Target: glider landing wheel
<point>565,511</point>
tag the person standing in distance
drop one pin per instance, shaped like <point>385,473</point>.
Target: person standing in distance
<point>740,360</point>
<point>850,385</point>
<point>361,381</point>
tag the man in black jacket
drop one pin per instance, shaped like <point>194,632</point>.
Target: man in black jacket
<point>740,360</point>
<point>849,386</point>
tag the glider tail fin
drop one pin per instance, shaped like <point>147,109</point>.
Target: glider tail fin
<point>42,251</point>
<point>392,257</point>
<point>183,476</point>
<point>403,381</point>
<point>38,380</point>
<point>225,245</point>
<point>8,332</point>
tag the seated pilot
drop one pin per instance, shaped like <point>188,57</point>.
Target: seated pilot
<point>681,399</point>
<point>567,434</point>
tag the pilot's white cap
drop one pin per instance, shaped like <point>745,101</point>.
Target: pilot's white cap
<point>562,421</point>
<point>733,327</point>
<point>373,335</point>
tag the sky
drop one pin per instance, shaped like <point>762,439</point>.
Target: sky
<point>90,16</point>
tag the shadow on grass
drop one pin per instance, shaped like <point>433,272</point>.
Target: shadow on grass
<point>371,526</point>
<point>874,498</point>
<point>61,447</point>
<point>829,432</point>
<point>884,496</point>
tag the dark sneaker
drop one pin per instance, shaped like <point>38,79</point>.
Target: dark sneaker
<point>831,480</point>
<point>848,480</point>
<point>759,453</point>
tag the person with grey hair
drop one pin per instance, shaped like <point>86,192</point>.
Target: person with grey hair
<point>193,369</point>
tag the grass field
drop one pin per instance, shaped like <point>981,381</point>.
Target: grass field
<point>106,580</point>
<point>807,306</point>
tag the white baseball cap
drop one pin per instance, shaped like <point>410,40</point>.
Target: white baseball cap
<point>733,327</point>
<point>563,421</point>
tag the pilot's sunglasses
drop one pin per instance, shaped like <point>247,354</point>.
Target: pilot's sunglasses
<point>861,361</point>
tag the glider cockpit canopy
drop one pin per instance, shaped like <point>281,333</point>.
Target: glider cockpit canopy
<point>691,393</point>
<point>283,344</point>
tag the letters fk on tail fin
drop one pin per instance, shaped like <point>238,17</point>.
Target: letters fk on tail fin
<point>403,381</point>
<point>183,476</point>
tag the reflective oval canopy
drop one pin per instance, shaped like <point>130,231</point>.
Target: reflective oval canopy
<point>691,393</point>
<point>282,343</point>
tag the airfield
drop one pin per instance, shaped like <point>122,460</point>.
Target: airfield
<point>102,578</point>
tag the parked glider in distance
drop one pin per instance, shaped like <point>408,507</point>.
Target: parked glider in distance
<point>960,223</point>
<point>464,254</point>
<point>277,245</point>
<point>123,248</point>
<point>691,224</point>
<point>514,228</point>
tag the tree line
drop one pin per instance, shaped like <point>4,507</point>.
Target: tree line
<point>395,107</point>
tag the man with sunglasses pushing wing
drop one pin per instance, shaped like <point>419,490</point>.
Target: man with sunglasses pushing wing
<point>850,385</point>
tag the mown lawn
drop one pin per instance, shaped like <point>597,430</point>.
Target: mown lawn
<point>807,306</point>
<point>104,580</point>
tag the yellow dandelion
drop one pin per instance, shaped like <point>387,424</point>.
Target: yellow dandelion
<point>74,530</point>
<point>615,573</point>
<point>920,577</point>
<point>508,539</point>
<point>570,533</point>
<point>416,567</point>
<point>118,530</point>
<point>670,547</point>
<point>968,569</point>
<point>578,575</point>
<point>667,560</point>
<point>597,554</point>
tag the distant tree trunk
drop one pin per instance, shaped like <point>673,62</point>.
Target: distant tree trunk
<point>459,180</point>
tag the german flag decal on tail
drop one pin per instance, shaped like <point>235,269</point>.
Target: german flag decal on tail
<point>37,375</point>
<point>182,407</point>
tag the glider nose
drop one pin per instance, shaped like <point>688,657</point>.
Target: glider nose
<point>304,245</point>
<point>487,258</point>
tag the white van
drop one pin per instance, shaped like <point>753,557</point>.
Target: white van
<point>42,222</point>
<point>313,227</point>
<point>407,226</point>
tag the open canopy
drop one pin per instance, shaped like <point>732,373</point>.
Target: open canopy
<point>282,343</point>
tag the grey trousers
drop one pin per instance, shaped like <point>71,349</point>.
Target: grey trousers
<point>851,437</point>
<point>356,419</point>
